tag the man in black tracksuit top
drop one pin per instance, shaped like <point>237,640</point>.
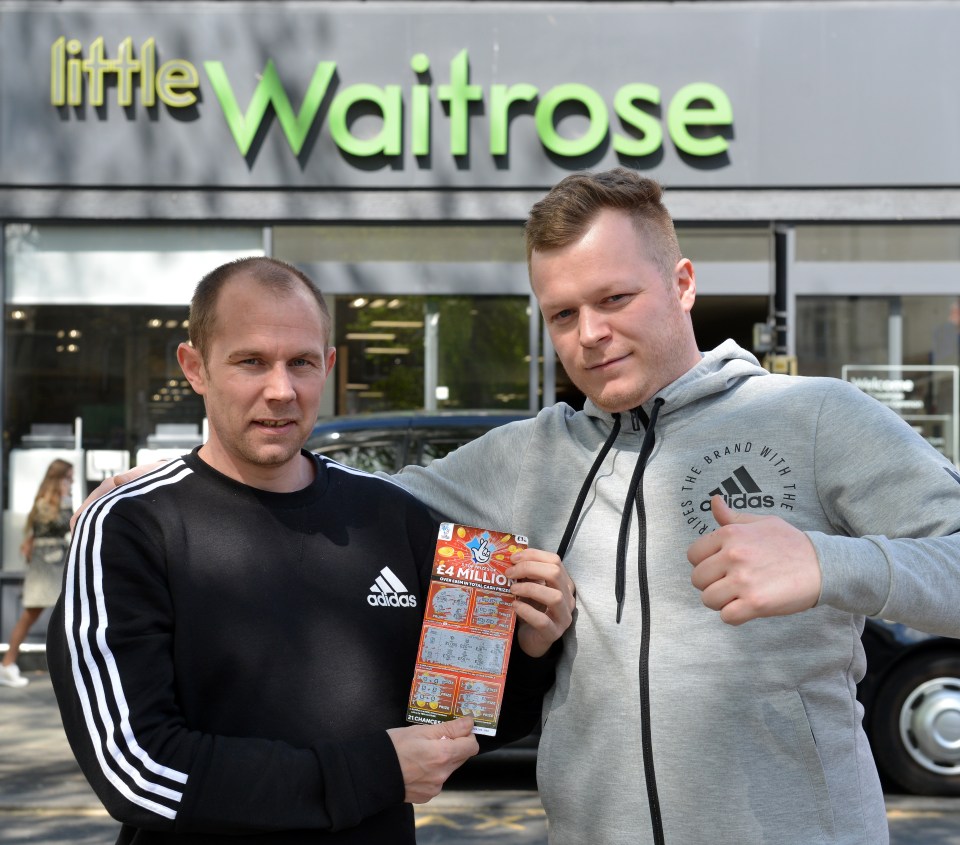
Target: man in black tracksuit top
<point>218,665</point>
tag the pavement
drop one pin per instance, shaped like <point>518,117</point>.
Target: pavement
<point>37,768</point>
<point>45,799</point>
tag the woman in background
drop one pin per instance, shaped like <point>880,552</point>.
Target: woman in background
<point>45,544</point>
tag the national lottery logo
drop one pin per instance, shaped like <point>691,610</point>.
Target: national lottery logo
<point>481,548</point>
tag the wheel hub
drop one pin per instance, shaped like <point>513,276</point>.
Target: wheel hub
<point>930,725</point>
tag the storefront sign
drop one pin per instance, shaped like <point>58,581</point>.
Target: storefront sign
<point>77,79</point>
<point>476,95</point>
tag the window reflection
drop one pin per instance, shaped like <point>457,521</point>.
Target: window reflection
<point>903,351</point>
<point>476,346</point>
<point>115,367</point>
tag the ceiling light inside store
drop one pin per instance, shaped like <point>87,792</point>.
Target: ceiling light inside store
<point>359,302</point>
<point>387,350</point>
<point>18,315</point>
<point>394,303</point>
<point>370,336</point>
<point>171,324</point>
<point>396,324</point>
<point>74,333</point>
<point>378,303</point>
<point>154,323</point>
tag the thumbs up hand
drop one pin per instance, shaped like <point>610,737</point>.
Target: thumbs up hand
<point>754,566</point>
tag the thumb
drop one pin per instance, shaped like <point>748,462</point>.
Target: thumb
<point>725,515</point>
<point>456,728</point>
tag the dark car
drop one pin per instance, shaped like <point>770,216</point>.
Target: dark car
<point>390,441</point>
<point>911,701</point>
<point>911,692</point>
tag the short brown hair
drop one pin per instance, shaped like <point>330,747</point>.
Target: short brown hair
<point>272,273</point>
<point>564,214</point>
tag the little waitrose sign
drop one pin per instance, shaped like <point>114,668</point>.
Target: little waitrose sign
<point>697,117</point>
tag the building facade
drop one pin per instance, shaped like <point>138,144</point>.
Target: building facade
<point>810,153</point>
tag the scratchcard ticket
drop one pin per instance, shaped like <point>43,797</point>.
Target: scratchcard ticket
<point>468,629</point>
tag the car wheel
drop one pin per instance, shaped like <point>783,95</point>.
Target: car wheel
<point>916,725</point>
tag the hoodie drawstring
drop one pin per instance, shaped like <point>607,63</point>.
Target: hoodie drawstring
<point>635,494</point>
<point>645,449</point>
<point>632,499</point>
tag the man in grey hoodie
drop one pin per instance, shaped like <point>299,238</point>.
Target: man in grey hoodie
<point>799,505</point>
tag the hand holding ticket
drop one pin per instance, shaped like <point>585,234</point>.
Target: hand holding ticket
<point>468,629</point>
<point>547,598</point>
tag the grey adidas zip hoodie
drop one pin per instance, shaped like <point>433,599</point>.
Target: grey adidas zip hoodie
<point>670,726</point>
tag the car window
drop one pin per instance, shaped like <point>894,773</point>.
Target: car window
<point>388,449</point>
<point>369,456</point>
<point>438,447</point>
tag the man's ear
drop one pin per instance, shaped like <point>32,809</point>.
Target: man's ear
<point>686,282</point>
<point>330,358</point>
<point>192,365</point>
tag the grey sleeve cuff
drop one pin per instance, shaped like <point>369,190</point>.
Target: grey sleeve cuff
<point>855,572</point>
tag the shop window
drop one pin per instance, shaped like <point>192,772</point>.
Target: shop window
<point>425,316</point>
<point>833,331</point>
<point>410,352</point>
<point>93,318</point>
<point>114,368</point>
<point>905,351</point>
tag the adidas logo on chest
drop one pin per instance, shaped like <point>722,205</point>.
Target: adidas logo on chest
<point>389,591</point>
<point>740,492</point>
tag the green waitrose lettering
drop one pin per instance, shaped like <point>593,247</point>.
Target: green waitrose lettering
<point>699,104</point>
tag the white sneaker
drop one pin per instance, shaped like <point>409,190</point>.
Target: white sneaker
<point>10,676</point>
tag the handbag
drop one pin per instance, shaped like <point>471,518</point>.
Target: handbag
<point>54,555</point>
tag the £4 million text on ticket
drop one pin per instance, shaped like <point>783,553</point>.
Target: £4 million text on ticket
<point>467,628</point>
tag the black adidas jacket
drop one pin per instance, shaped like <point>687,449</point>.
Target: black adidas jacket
<point>220,670</point>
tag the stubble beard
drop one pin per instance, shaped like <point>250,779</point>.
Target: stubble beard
<point>272,456</point>
<point>665,363</point>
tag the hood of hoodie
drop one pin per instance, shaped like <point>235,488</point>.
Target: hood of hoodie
<point>717,371</point>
